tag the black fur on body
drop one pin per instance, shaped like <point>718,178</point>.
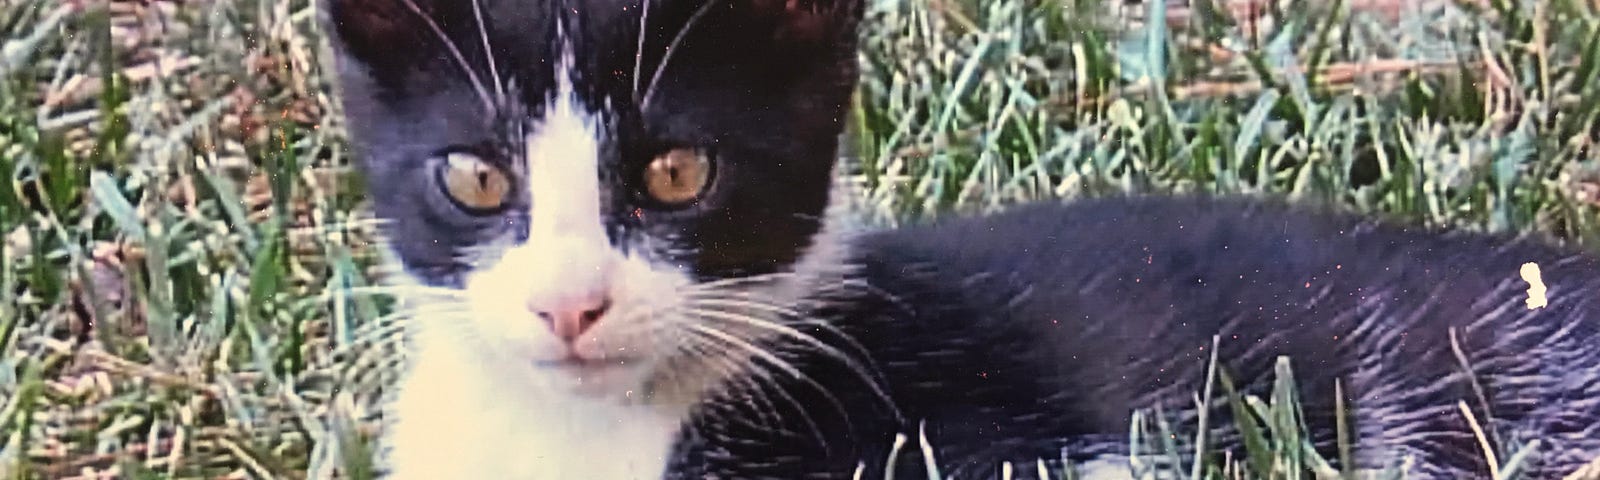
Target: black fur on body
<point>1005,338</point>
<point>1035,334</point>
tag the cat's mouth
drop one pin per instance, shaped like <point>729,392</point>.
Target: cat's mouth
<point>576,363</point>
<point>592,377</point>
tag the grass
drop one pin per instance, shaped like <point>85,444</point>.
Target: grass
<point>183,231</point>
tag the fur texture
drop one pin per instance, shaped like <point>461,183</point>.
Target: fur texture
<point>1112,304</point>
<point>748,334</point>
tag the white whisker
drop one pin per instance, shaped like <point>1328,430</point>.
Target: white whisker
<point>638,53</point>
<point>716,359</point>
<point>461,60</point>
<point>751,348</point>
<point>483,34</point>
<point>731,283</point>
<point>791,317</point>
<point>773,361</point>
<point>868,376</point>
<point>757,375</point>
<point>672,48</point>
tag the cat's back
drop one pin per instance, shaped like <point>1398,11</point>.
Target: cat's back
<point>1222,251</point>
<point>1058,319</point>
<point>1195,231</point>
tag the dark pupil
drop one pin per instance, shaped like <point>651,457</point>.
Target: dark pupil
<point>483,180</point>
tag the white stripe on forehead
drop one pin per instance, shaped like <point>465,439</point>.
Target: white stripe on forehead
<point>563,161</point>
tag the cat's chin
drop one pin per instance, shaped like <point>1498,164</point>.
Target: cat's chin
<point>614,379</point>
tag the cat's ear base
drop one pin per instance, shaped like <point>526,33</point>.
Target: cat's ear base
<point>386,35</point>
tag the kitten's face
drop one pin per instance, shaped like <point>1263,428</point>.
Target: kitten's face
<point>589,195</point>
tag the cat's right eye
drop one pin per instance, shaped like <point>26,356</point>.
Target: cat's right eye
<point>472,183</point>
<point>678,176</point>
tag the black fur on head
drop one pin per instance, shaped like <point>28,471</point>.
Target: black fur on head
<point>761,84</point>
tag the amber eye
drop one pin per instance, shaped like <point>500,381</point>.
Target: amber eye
<point>473,183</point>
<point>677,176</point>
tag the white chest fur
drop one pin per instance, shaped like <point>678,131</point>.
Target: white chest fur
<point>457,418</point>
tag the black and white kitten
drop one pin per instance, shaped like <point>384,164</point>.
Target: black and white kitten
<point>615,219</point>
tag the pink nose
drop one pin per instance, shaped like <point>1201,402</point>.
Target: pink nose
<point>569,319</point>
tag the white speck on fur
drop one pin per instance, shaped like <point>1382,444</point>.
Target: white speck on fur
<point>1536,289</point>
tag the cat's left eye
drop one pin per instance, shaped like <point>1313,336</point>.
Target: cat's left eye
<point>473,184</point>
<point>678,176</point>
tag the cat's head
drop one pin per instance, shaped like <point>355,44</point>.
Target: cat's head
<point>616,183</point>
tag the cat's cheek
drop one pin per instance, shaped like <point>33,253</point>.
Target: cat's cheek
<point>650,302</point>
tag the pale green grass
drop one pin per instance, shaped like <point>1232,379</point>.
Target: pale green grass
<point>183,231</point>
